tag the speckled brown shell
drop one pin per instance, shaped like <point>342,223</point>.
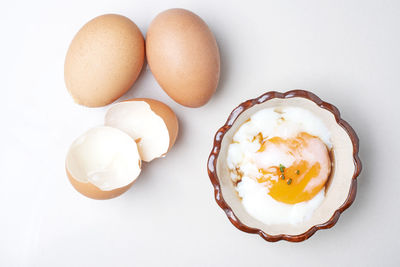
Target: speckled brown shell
<point>212,162</point>
<point>104,60</point>
<point>183,56</point>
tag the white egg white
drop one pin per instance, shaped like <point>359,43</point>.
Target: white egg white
<point>259,204</point>
<point>244,162</point>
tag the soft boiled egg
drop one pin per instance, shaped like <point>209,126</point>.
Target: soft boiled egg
<point>279,161</point>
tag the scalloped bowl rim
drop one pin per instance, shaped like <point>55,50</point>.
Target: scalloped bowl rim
<point>212,167</point>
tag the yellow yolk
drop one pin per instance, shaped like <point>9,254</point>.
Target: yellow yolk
<point>305,177</point>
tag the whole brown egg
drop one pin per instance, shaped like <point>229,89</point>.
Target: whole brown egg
<point>103,60</point>
<point>183,56</point>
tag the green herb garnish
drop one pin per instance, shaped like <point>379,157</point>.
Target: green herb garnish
<point>281,168</point>
<point>289,181</point>
<point>283,176</point>
<point>298,172</point>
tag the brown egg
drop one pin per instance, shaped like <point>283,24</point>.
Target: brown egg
<point>103,163</point>
<point>151,123</point>
<point>183,56</point>
<point>103,60</point>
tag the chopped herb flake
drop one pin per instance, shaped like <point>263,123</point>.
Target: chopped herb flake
<point>283,176</point>
<point>281,168</point>
<point>289,181</point>
<point>298,172</point>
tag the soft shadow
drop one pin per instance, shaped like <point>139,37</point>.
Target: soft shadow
<point>139,83</point>
<point>224,66</point>
<point>181,131</point>
<point>367,155</point>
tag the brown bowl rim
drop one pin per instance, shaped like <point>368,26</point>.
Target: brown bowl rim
<point>212,162</point>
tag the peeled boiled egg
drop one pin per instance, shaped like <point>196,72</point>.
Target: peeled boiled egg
<point>103,60</point>
<point>183,56</point>
<point>151,123</point>
<point>279,160</point>
<point>103,163</point>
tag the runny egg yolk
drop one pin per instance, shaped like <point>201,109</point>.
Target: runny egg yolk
<point>307,174</point>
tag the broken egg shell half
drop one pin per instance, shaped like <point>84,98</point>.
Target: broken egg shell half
<point>151,123</point>
<point>103,163</point>
<point>341,187</point>
<point>92,191</point>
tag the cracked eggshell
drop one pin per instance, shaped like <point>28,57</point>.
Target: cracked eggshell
<point>103,60</point>
<point>151,123</point>
<point>92,191</point>
<point>183,56</point>
<point>103,163</point>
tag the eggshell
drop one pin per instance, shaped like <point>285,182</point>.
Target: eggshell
<point>103,163</point>
<point>183,56</point>
<point>103,60</point>
<point>91,191</point>
<point>154,126</point>
<point>167,114</point>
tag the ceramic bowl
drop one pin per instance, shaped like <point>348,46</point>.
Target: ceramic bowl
<point>342,184</point>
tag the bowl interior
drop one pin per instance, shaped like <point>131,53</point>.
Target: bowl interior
<point>339,183</point>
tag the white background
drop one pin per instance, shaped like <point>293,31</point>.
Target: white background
<point>347,52</point>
